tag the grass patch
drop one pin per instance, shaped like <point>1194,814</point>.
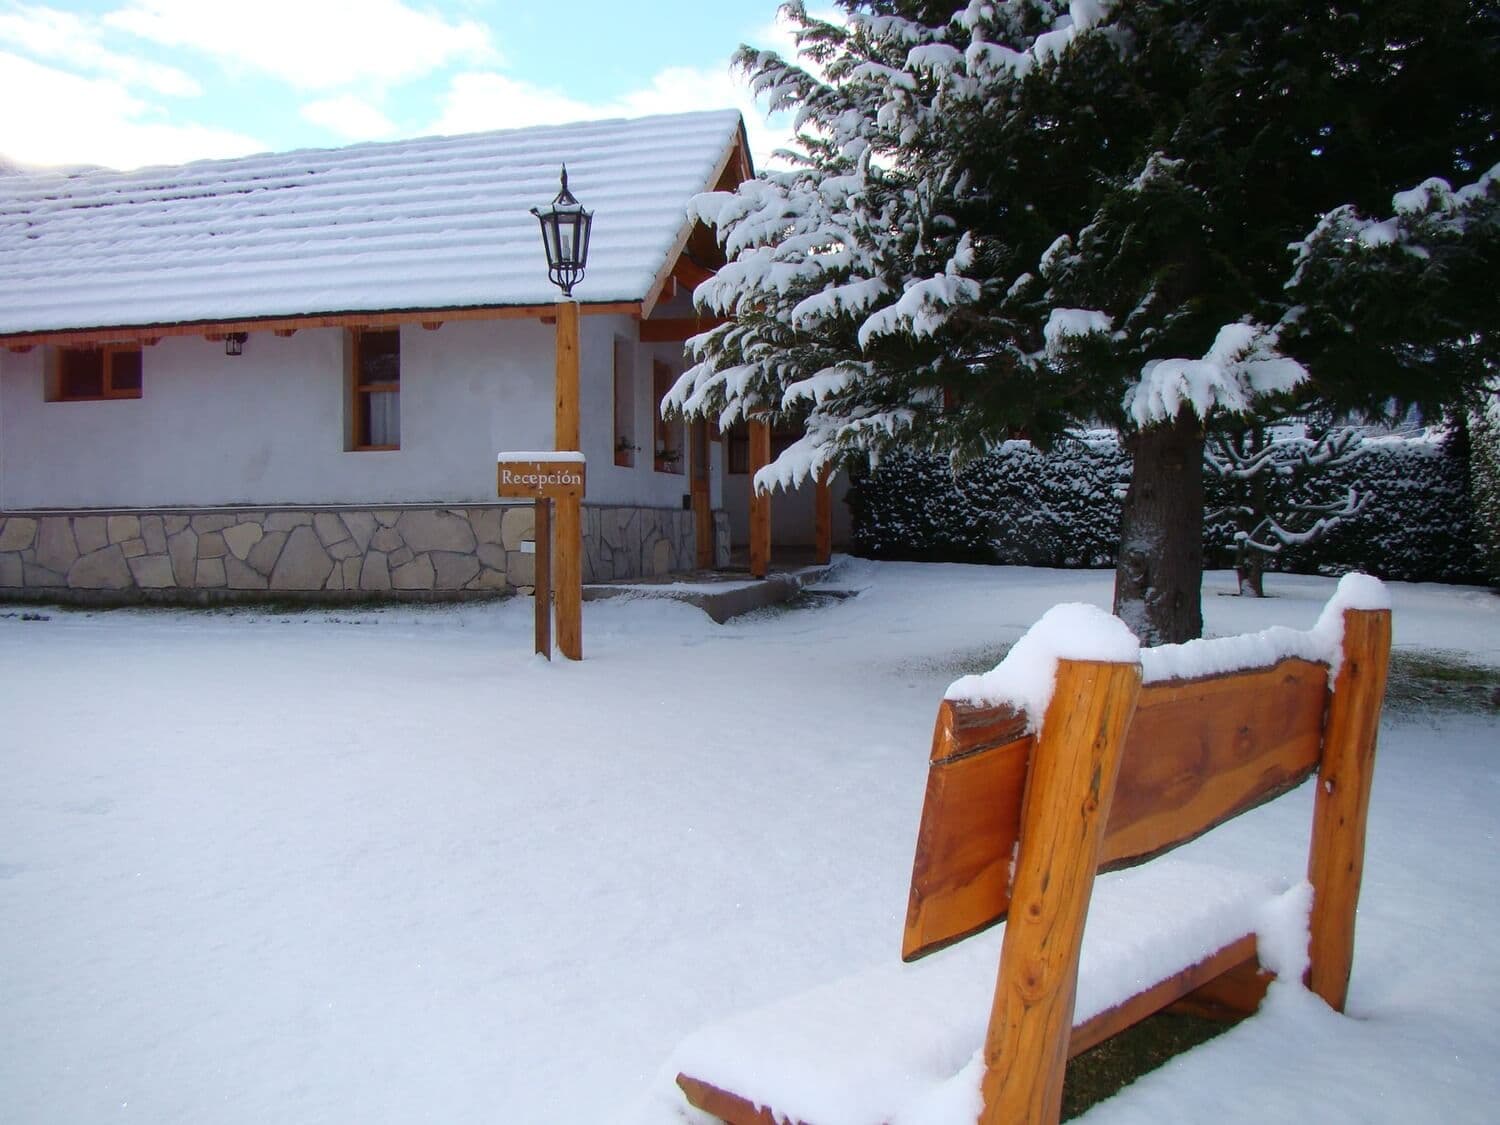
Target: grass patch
<point>1432,680</point>
<point>1107,1069</point>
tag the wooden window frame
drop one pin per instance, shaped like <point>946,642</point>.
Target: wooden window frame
<point>357,413</point>
<point>57,392</point>
<point>666,436</point>
<point>625,446</point>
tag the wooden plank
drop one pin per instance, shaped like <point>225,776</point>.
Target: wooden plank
<point>1072,779</point>
<point>542,582</point>
<point>971,819</point>
<point>1232,959</point>
<point>760,502</point>
<point>729,1107</point>
<point>389,318</point>
<point>1340,811</point>
<point>1232,995</point>
<point>1201,751</point>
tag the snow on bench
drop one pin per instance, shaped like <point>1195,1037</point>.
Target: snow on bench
<point>1081,753</point>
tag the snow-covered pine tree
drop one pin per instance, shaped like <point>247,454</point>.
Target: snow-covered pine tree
<point>1025,215</point>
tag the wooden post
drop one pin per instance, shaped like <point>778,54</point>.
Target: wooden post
<point>823,519</point>
<point>1337,858</point>
<point>568,576</point>
<point>542,583</point>
<point>760,503</point>
<point>1063,817</point>
<point>703,517</point>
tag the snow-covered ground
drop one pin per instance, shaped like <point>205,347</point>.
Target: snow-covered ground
<point>387,866</point>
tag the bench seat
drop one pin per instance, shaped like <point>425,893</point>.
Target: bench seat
<point>903,1040</point>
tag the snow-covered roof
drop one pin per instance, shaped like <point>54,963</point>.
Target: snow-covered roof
<point>435,223</point>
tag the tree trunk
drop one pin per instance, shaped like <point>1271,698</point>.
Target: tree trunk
<point>1159,575</point>
<point>1249,571</point>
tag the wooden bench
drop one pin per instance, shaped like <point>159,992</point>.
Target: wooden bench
<point>1133,758</point>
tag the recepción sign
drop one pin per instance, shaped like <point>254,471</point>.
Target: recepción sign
<point>539,480</point>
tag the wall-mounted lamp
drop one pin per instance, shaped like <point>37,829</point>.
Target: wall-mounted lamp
<point>234,343</point>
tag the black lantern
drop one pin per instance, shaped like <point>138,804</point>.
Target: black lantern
<point>234,343</point>
<point>565,237</point>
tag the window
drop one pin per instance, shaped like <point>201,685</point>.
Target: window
<point>108,371</point>
<point>375,368</point>
<point>625,447</point>
<point>669,435</point>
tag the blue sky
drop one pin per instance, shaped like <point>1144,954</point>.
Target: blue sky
<point>132,82</point>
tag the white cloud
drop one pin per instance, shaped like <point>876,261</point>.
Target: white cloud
<point>61,36</point>
<point>478,101</point>
<point>349,117</point>
<point>69,119</point>
<point>312,44</point>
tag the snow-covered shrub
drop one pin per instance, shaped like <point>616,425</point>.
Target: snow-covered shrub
<point>1484,477</point>
<point>1417,523</point>
<point>1018,505</point>
<point>1021,506</point>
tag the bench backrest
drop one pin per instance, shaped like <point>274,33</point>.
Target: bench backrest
<point>1120,773</point>
<point>1196,753</point>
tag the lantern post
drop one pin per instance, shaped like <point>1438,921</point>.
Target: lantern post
<point>565,239</point>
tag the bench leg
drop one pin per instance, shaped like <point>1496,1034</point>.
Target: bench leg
<point>1063,815</point>
<point>1337,858</point>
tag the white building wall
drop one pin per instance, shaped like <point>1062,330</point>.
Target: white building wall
<point>609,483</point>
<point>268,427</point>
<point>793,514</point>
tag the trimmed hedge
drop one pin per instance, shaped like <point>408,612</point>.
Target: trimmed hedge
<point>1021,506</point>
<point>1484,468</point>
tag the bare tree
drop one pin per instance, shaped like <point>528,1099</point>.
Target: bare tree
<point>1271,472</point>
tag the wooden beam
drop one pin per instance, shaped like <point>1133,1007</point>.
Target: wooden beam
<point>284,333</point>
<point>20,349</point>
<point>135,333</point>
<point>1336,859</point>
<point>1230,961</point>
<point>760,502</point>
<point>568,559</point>
<point>1232,995</point>
<point>675,329</point>
<point>1062,829</point>
<point>734,160</point>
<point>690,273</point>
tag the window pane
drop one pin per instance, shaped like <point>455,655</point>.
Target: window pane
<point>379,357</point>
<point>383,418</point>
<point>80,372</point>
<point>125,371</point>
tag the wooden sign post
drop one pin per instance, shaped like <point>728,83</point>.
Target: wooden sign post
<point>545,479</point>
